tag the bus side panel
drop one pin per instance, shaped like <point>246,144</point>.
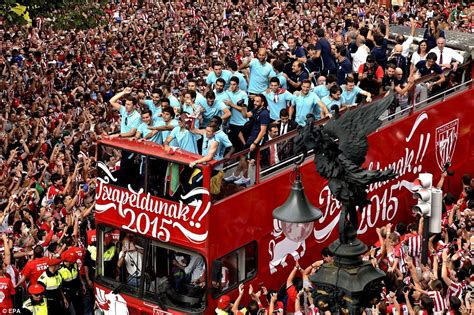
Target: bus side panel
<point>421,142</point>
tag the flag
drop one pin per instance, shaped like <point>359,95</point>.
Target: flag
<point>21,10</point>
<point>172,178</point>
<point>412,186</point>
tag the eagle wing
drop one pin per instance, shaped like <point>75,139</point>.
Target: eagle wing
<point>353,127</point>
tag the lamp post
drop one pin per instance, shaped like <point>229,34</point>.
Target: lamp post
<point>348,283</point>
<point>297,214</point>
<point>340,146</point>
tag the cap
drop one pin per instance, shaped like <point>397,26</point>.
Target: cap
<point>69,257</point>
<point>54,262</point>
<point>370,59</point>
<point>223,302</point>
<point>36,289</point>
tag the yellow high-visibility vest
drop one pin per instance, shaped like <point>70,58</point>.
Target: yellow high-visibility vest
<point>68,274</point>
<point>108,254</point>
<point>38,309</point>
<point>51,283</point>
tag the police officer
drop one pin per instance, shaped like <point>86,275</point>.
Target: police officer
<point>36,304</point>
<point>52,282</point>
<point>72,283</point>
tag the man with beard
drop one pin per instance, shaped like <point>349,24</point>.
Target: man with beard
<point>306,103</point>
<point>260,73</point>
<point>333,99</point>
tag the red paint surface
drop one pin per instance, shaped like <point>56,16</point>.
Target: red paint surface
<point>247,216</point>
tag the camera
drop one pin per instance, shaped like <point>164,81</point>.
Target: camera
<point>447,170</point>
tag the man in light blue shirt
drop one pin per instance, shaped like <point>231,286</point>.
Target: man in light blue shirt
<point>174,102</point>
<point>154,104</point>
<point>164,126</point>
<point>219,91</point>
<point>333,99</point>
<point>217,73</point>
<point>242,80</point>
<point>278,68</point>
<point>238,100</point>
<point>306,103</point>
<point>277,98</point>
<point>350,91</point>
<point>323,90</point>
<point>200,99</point>
<point>260,72</point>
<point>214,108</point>
<point>130,118</point>
<point>186,139</point>
<point>144,131</point>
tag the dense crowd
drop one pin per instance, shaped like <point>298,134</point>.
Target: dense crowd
<point>235,73</point>
<point>443,285</point>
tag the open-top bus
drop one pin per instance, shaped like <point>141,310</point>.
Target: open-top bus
<point>198,243</point>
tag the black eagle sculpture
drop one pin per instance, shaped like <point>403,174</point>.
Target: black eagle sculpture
<point>340,147</point>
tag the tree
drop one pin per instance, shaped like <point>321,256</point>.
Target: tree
<point>63,14</point>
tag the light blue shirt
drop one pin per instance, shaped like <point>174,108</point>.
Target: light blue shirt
<point>200,99</point>
<point>144,131</point>
<point>304,105</point>
<point>259,76</point>
<point>212,77</point>
<point>206,145</point>
<point>328,101</point>
<point>174,101</point>
<point>155,110</point>
<point>349,98</point>
<point>129,121</point>
<point>236,117</point>
<point>242,81</point>
<point>282,101</point>
<point>217,109</point>
<point>186,139</point>
<point>283,81</point>
<point>321,91</point>
<point>224,143</point>
<point>165,133</point>
<point>221,97</point>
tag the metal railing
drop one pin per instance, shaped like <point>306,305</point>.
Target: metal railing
<point>259,171</point>
<point>430,100</point>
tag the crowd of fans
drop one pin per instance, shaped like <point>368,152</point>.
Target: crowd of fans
<point>443,285</point>
<point>236,73</point>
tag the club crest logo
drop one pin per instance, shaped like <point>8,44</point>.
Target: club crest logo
<point>110,303</point>
<point>446,138</point>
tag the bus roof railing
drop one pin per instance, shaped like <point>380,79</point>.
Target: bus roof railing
<point>286,163</point>
<point>149,148</point>
<point>183,157</point>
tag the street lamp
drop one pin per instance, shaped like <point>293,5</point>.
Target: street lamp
<point>297,214</point>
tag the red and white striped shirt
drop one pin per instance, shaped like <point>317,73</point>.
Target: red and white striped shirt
<point>455,289</point>
<point>439,301</point>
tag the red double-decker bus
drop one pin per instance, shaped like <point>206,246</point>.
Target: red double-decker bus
<point>179,248</point>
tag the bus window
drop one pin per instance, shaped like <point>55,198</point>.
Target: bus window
<point>174,278</point>
<point>126,168</point>
<point>122,259</point>
<point>234,268</point>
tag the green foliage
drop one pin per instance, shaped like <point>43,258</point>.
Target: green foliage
<point>64,14</point>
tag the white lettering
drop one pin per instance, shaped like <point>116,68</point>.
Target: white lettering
<point>136,208</point>
<point>384,202</point>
